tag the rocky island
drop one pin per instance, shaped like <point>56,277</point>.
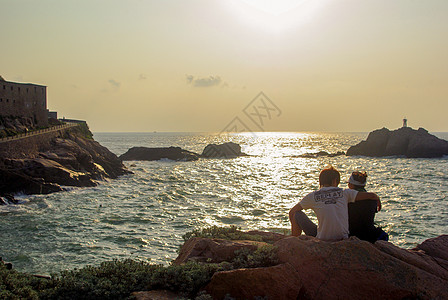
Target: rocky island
<point>226,150</point>
<point>405,141</point>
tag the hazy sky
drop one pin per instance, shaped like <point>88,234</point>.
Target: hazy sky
<point>195,65</point>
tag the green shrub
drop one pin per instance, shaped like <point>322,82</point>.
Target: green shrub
<point>16,285</point>
<point>265,256</point>
<point>228,233</point>
<point>85,131</point>
<point>117,279</point>
<point>110,280</point>
<point>186,279</point>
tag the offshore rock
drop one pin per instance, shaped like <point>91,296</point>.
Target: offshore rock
<point>226,150</point>
<point>401,142</point>
<point>172,153</point>
<point>320,154</point>
<point>213,250</point>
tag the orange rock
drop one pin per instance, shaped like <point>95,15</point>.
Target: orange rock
<point>436,247</point>
<point>213,250</point>
<point>278,282</point>
<point>355,269</point>
<point>417,258</point>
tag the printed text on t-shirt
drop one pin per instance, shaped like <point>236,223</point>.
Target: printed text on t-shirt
<point>328,196</point>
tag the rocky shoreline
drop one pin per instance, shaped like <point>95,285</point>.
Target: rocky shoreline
<point>44,164</point>
<point>226,263</point>
<point>308,268</point>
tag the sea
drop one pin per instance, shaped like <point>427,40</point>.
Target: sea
<point>143,216</point>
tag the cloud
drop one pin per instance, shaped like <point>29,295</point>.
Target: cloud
<point>114,83</point>
<point>190,79</point>
<point>204,81</point>
<point>142,77</point>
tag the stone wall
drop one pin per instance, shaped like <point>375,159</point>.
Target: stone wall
<point>29,147</point>
<point>24,100</point>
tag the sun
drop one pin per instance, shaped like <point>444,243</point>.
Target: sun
<point>275,15</point>
<point>275,7</point>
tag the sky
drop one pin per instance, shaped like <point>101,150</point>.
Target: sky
<point>211,65</point>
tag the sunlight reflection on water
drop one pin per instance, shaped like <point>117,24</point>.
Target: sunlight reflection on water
<point>145,215</point>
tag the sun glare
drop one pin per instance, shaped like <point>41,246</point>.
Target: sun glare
<point>275,15</point>
<point>275,7</point>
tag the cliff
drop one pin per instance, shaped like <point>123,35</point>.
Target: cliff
<point>401,142</point>
<point>43,163</point>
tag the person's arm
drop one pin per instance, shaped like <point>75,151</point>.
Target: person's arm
<point>365,196</point>
<point>295,228</point>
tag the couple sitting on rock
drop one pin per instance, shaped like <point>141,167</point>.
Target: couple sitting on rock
<point>340,212</point>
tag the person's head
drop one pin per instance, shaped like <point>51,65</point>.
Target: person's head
<point>329,177</point>
<point>357,180</point>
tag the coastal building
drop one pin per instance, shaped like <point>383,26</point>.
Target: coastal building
<point>53,115</point>
<point>24,100</point>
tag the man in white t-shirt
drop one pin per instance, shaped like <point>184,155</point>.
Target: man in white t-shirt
<point>330,205</point>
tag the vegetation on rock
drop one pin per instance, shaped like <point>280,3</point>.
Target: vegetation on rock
<point>227,233</point>
<point>117,279</point>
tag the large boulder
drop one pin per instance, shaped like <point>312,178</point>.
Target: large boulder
<point>13,181</point>
<point>277,282</point>
<point>213,250</point>
<point>435,247</point>
<point>309,268</point>
<point>51,171</point>
<point>402,142</point>
<point>226,150</point>
<point>418,258</point>
<point>355,269</point>
<point>172,153</point>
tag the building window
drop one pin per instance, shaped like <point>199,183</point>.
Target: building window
<point>1,100</point>
<point>4,87</point>
<point>14,101</point>
<point>19,89</point>
<point>27,90</point>
<point>7,100</point>
<point>12,88</point>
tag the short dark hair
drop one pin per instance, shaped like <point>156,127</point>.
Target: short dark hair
<point>328,175</point>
